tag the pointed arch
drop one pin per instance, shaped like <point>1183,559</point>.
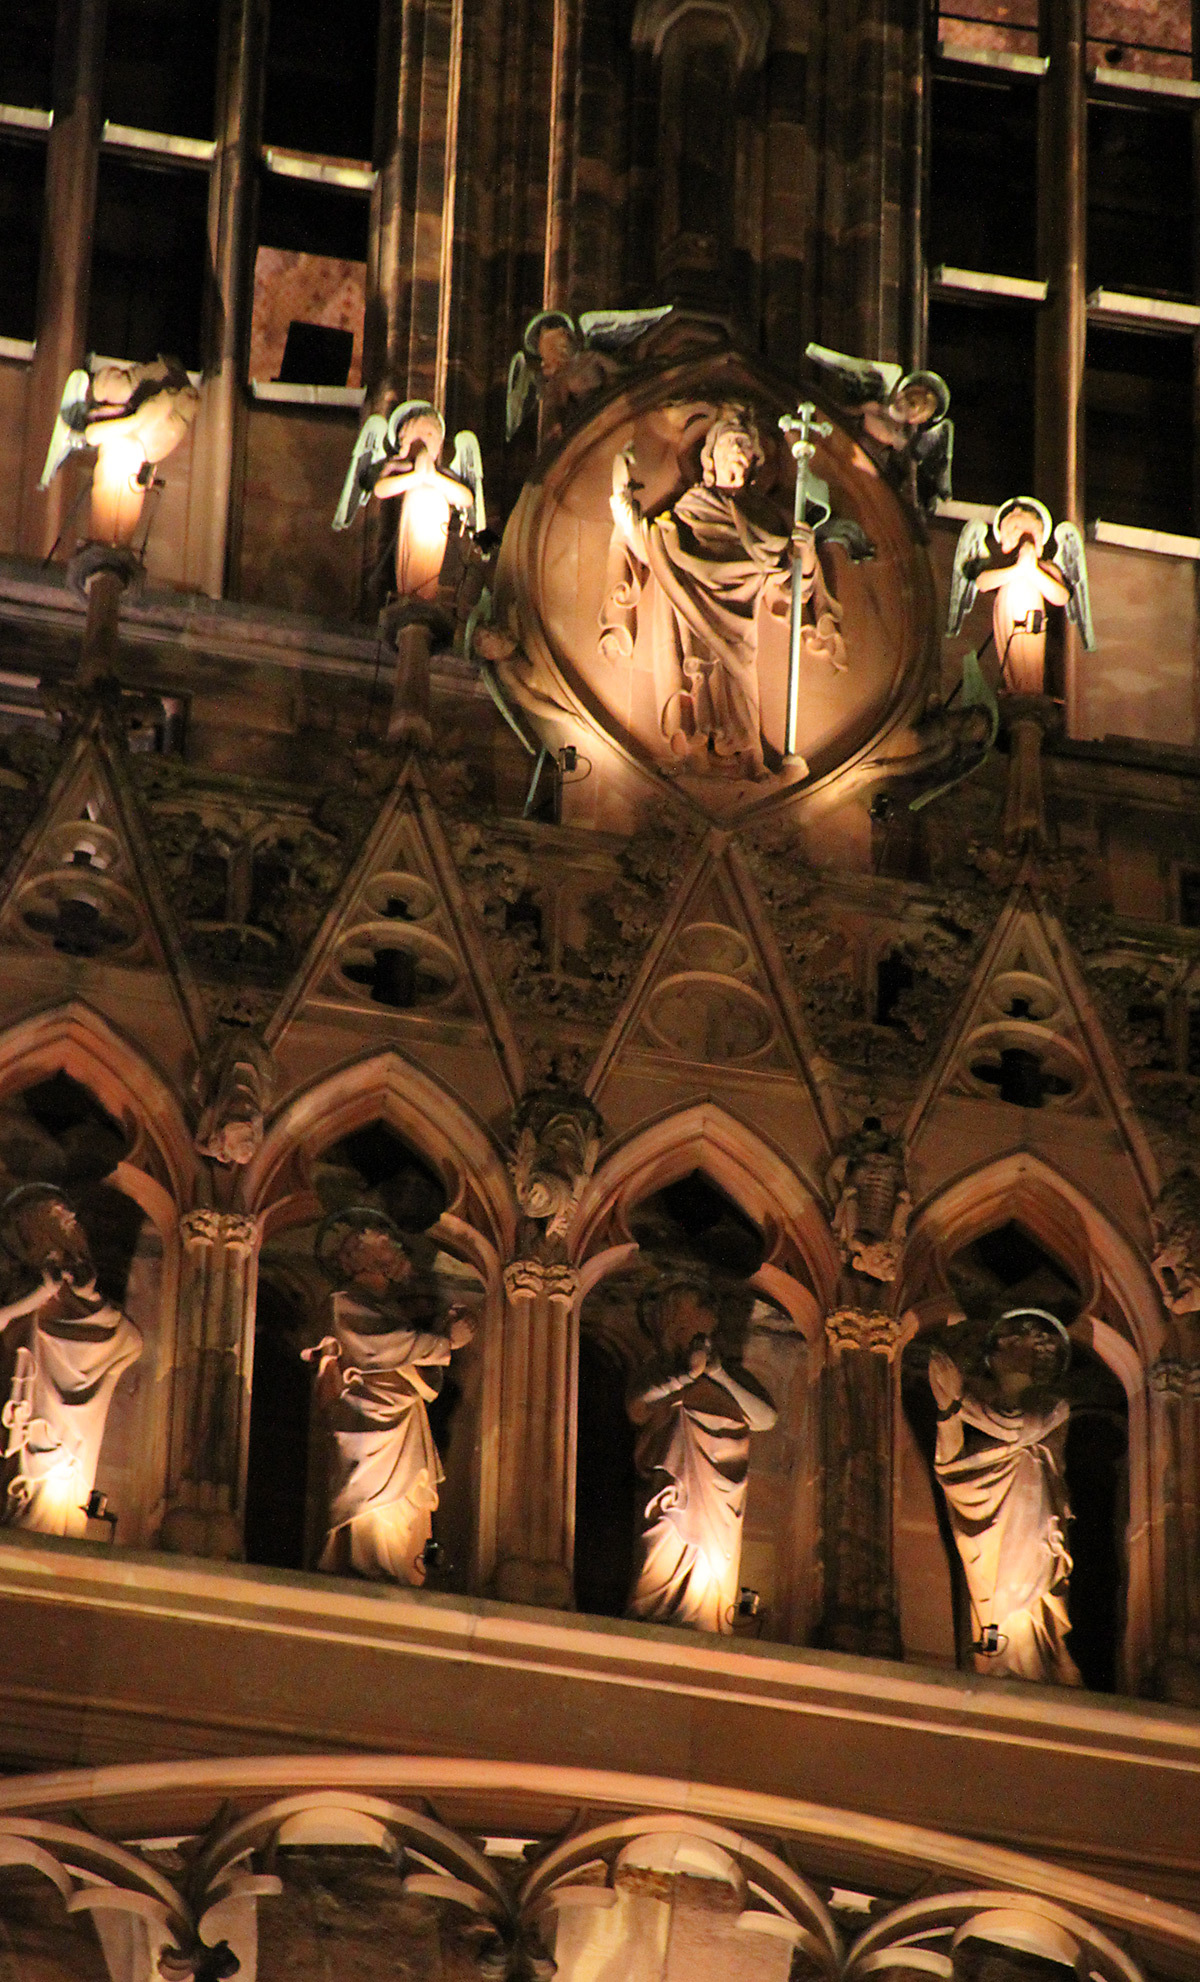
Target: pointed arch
<point>1062,1218</point>
<point>74,1039</point>
<point>786,1206</point>
<point>481,1211</point>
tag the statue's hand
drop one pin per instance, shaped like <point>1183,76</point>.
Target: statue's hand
<point>699,1355</point>
<point>945,1380</point>
<point>461,1329</point>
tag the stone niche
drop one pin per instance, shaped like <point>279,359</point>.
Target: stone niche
<point>561,571</point>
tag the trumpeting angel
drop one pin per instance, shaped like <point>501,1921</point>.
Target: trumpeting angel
<point>134,416</point>
<point>562,360</point>
<point>1031,568</point>
<point>902,419</point>
<point>400,456</point>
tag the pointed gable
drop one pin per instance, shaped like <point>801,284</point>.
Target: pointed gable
<point>1027,1064</point>
<point>83,887</point>
<point>713,999</point>
<point>398,952</point>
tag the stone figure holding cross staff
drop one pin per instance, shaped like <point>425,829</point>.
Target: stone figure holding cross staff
<point>716,556</point>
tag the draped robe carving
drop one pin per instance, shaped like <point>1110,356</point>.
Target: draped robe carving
<point>1000,1466</point>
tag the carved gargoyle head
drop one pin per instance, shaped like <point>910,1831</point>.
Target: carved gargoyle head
<point>556,1134</point>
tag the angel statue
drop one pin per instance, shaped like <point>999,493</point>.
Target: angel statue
<point>134,416</point>
<point>903,420</point>
<point>64,1346</point>
<point>401,456</point>
<point>1008,559</point>
<point>561,360</point>
<point>373,1391</point>
<point>999,1461</point>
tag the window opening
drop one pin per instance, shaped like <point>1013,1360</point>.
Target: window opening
<point>310,275</point>
<point>1138,394</point>
<point>27,54</point>
<point>22,195</point>
<point>160,65</point>
<point>1140,200</point>
<point>320,77</point>
<point>989,354</point>
<point>983,174</point>
<point>148,263</point>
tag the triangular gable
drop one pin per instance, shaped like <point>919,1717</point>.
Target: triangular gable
<point>83,882</point>
<point>1028,1035</point>
<point>398,945</point>
<point>713,990</point>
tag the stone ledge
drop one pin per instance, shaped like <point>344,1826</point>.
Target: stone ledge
<point>125,1657</point>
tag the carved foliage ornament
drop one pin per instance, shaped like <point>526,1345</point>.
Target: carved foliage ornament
<point>555,1142</point>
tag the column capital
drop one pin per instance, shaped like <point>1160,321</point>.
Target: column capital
<point>531,1277</point>
<point>1175,1376</point>
<point>851,1328</point>
<point>201,1227</point>
<point>239,1232</point>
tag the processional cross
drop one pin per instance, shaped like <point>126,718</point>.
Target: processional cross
<point>800,428</point>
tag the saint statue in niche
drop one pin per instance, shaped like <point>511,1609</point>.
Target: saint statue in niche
<point>373,1391</point>
<point>999,1460</point>
<point>716,555</point>
<point>69,1348</point>
<point>695,1418</point>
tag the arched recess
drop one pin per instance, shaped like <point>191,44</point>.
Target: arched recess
<point>1119,1308</point>
<point>800,1259</point>
<point>387,1091</point>
<point>155,1176</point>
<point>480,1217</point>
<point>796,1280</point>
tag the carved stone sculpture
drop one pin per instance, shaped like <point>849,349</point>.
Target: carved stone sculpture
<point>562,361</point>
<point>902,419</point>
<point>373,1391</point>
<point>69,1346</point>
<point>1009,558</point>
<point>400,457</point>
<point>134,416</point>
<point>556,1135</point>
<point>695,1418</point>
<point>1176,1261</point>
<point>715,556</point>
<point>999,1460</point>
<point>241,1078</point>
<point>873,1203</point>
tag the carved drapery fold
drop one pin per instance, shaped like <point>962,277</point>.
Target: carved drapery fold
<point>212,1383</point>
<point>861,1611</point>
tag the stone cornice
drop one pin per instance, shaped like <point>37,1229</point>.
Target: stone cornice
<point>119,1656</point>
